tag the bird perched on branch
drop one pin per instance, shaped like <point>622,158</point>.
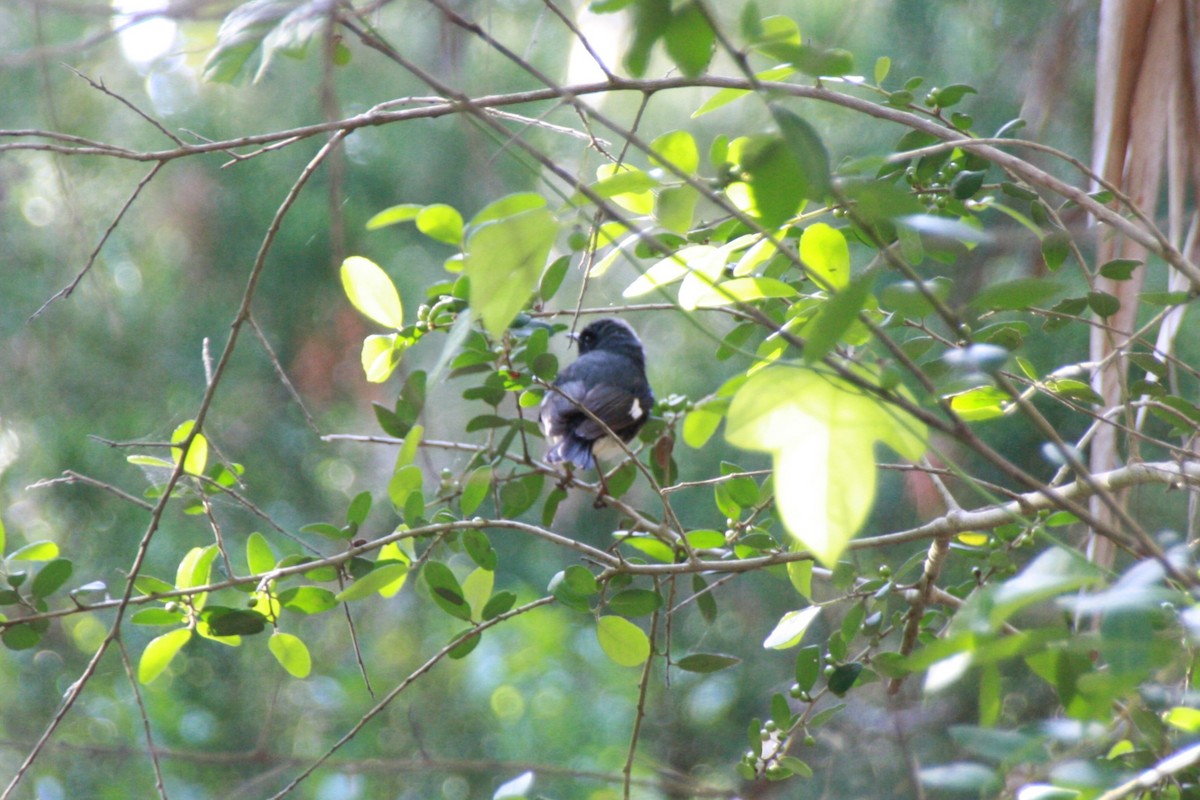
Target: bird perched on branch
<point>606,384</point>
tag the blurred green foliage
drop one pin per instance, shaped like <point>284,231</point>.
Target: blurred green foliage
<point>114,368</point>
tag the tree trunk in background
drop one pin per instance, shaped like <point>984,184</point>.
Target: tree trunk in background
<point>1145,120</point>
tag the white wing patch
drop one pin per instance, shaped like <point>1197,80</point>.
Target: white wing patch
<point>635,410</point>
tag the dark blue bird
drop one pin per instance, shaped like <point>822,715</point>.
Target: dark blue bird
<point>609,380</point>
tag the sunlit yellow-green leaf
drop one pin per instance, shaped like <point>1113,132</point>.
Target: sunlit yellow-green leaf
<point>504,261</point>
<point>821,432</point>
<point>791,628</point>
<point>405,212</point>
<point>475,489</point>
<point>372,292</point>
<point>291,653</point>
<point>441,222</point>
<point>826,255</point>
<point>622,641</point>
<point>676,148</point>
<point>980,403</point>
<point>393,552</point>
<point>675,207</point>
<point>627,187</point>
<point>477,590</point>
<point>196,567</point>
<point>381,355</point>
<point>158,654</point>
<point>379,579</point>
<point>197,452</point>
<point>259,556</point>
<point>800,574</point>
<point>726,96</point>
<point>738,290</point>
<point>35,551</point>
<point>703,275</point>
<point>674,267</point>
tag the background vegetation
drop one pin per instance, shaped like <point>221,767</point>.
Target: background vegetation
<point>268,531</point>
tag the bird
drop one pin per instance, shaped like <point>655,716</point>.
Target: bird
<point>607,382</point>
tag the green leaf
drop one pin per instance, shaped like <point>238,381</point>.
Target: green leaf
<point>726,96</point>
<point>836,316</point>
<point>1119,269</point>
<point>707,662</point>
<point>816,61</point>
<point>148,584</point>
<point>381,354</point>
<point>372,292</point>
<point>981,403</point>
<point>479,548</point>
<point>675,207</point>
<point>702,422</point>
<point>732,292</point>
<point>35,551</point>
<point>701,258</point>
<point>405,212</point>
<point>291,653</point>
<point>650,23</point>
<point>1054,572</point>
<point>307,599</point>
<point>800,574</point>
<point>883,65</point>
<point>909,298</point>
<point>1103,303</point>
<point>51,577</point>
<point>196,567</point>
<point>1015,295</point>
<point>374,581</point>
<point>635,602</point>
<point>826,255</point>
<point>477,589</point>
<point>2,537</point>
<point>807,148</point>
<point>446,591</point>
<point>952,95</point>
<point>405,481</point>
<point>1165,298</point>
<point>197,452</point>
<point>677,149</point>
<point>821,433</point>
<point>21,637</point>
<point>791,628</point>
<point>223,621</point>
<point>498,604</point>
<point>689,40</point>
<point>808,666</point>
<point>777,182</point>
<point>359,508</point>
<point>157,616</point>
<point>553,277</point>
<point>259,556</point>
<point>622,641</point>
<point>241,35</point>
<point>442,223</point>
<point>518,496</point>
<point>504,259</point>
<point>843,677</point>
<point>1056,246</point>
<point>159,652</point>
<point>475,489</point>
<point>327,530</point>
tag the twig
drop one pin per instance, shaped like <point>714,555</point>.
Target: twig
<point>66,291</point>
<point>404,684</point>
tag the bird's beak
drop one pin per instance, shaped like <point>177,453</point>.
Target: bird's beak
<point>574,337</point>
